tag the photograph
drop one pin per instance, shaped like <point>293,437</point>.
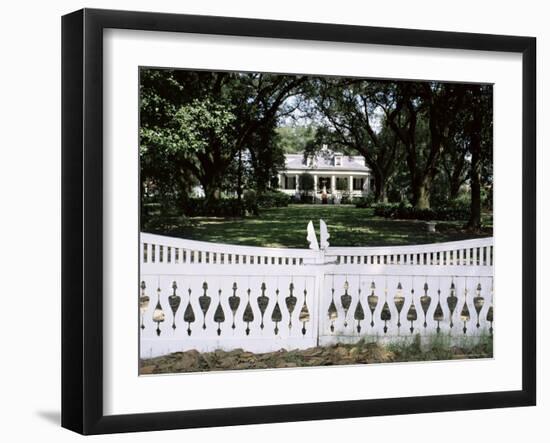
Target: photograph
<point>293,220</point>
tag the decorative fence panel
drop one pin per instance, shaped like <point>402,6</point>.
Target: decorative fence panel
<point>397,305</point>
<point>207,296</point>
<point>213,310</point>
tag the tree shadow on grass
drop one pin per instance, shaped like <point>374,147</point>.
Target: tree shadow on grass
<point>347,225</point>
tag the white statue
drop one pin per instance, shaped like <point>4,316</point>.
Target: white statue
<point>311,237</point>
<point>324,235</point>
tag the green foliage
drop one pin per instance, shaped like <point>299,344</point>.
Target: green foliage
<point>437,347</point>
<point>216,129</point>
<point>307,182</point>
<point>363,202</point>
<point>295,139</point>
<point>451,212</point>
<point>273,199</point>
<point>305,199</point>
<point>228,132</point>
<point>477,346</point>
<point>199,123</point>
<point>441,347</point>
<point>164,224</point>
<point>342,184</point>
<point>346,199</point>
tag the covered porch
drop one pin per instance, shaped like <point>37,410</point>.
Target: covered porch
<point>331,186</point>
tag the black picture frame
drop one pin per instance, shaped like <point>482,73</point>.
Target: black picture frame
<point>82,215</point>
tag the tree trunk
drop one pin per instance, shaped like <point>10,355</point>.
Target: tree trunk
<point>423,196</point>
<point>211,190</point>
<point>454,188</point>
<point>380,191</point>
<point>455,182</point>
<point>210,194</point>
<point>474,223</point>
<point>142,192</point>
<point>422,189</point>
<point>239,177</point>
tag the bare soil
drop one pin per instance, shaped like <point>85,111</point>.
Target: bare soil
<point>341,354</point>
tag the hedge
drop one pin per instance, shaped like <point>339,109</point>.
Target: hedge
<point>363,202</point>
<point>233,207</point>
<point>272,199</point>
<point>407,212</point>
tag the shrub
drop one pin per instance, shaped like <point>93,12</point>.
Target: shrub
<point>165,225</point>
<point>387,210</point>
<point>453,211</point>
<point>304,199</point>
<point>273,199</point>
<point>342,184</point>
<point>363,202</point>
<point>307,182</point>
<point>346,199</point>
<point>151,209</point>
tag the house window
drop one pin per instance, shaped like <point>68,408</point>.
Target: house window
<point>358,184</point>
<point>338,160</point>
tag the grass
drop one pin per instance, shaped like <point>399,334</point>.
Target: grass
<point>286,227</point>
<point>440,347</point>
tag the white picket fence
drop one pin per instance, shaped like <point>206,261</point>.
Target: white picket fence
<point>207,296</point>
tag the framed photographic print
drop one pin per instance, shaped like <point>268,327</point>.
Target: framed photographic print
<point>269,221</point>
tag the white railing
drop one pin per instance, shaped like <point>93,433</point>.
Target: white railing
<point>206,296</point>
<point>161,249</point>
<point>158,249</point>
<point>477,252</point>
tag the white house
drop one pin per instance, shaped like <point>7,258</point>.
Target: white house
<point>335,175</point>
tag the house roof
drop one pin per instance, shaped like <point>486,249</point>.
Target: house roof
<point>325,160</point>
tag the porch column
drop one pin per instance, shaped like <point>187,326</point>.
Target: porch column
<point>280,181</point>
<point>333,184</point>
<point>315,184</point>
<point>297,183</point>
<point>350,178</point>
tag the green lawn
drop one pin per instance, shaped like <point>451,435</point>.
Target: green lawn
<point>286,227</point>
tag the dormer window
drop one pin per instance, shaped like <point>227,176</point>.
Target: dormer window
<point>338,160</point>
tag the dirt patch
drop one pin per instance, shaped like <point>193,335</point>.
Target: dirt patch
<point>340,354</point>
